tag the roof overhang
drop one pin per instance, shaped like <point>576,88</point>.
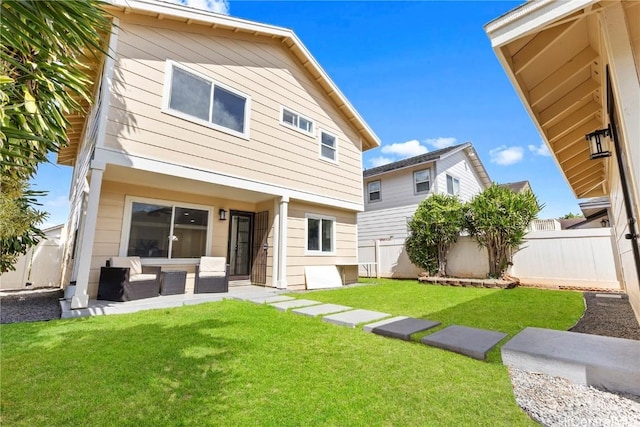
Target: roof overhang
<point>552,51</point>
<point>191,16</point>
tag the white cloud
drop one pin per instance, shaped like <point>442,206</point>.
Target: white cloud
<point>217,6</point>
<point>540,150</point>
<point>441,142</point>
<point>505,156</point>
<point>379,161</point>
<point>405,149</point>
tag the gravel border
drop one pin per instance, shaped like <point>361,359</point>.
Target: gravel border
<point>554,401</point>
<point>30,305</point>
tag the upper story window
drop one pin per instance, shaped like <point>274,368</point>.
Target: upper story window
<point>453,185</point>
<point>373,188</point>
<point>421,181</point>
<point>296,121</point>
<point>320,234</point>
<point>195,97</point>
<point>159,229</point>
<point>328,146</point>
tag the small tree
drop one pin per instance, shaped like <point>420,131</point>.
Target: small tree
<point>498,219</point>
<point>436,224</point>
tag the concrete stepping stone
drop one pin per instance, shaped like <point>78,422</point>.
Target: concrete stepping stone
<point>270,299</point>
<point>472,342</point>
<point>354,317</point>
<point>370,326</point>
<point>403,329</point>
<point>295,303</point>
<point>317,310</point>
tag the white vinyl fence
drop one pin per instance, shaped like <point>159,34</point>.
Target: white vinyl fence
<point>40,266</point>
<point>579,258</point>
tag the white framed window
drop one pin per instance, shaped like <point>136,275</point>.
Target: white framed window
<point>373,189</point>
<point>453,185</point>
<point>421,181</point>
<point>293,120</point>
<point>328,146</point>
<point>162,229</point>
<point>321,234</point>
<point>198,98</point>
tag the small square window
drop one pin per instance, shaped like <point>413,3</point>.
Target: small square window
<point>421,181</point>
<point>320,234</point>
<point>373,189</point>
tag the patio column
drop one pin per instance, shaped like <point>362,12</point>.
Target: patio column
<point>81,298</point>
<point>282,247</point>
<point>276,243</point>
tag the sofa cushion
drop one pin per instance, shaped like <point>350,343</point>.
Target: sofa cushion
<point>142,277</point>
<point>132,262</point>
<point>213,264</point>
<point>205,274</point>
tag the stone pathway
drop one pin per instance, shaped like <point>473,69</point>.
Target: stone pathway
<point>471,342</point>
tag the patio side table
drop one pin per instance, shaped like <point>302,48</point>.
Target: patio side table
<point>172,282</point>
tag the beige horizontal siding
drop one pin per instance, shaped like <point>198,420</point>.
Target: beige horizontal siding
<point>259,67</point>
<point>346,240</point>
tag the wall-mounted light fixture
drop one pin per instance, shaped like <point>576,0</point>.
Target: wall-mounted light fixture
<point>604,222</point>
<point>223,214</point>
<point>599,143</point>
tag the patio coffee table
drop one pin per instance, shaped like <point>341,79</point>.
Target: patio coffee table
<point>172,282</point>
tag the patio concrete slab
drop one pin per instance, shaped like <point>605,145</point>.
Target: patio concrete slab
<point>403,329</point>
<point>295,303</point>
<point>322,309</point>
<point>370,326</point>
<point>353,318</point>
<point>593,360</point>
<point>472,342</point>
<point>269,299</point>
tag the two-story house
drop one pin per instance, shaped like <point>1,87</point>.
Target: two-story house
<point>576,67</point>
<point>212,136</point>
<point>392,192</point>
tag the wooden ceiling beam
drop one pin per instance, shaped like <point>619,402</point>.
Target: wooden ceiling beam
<point>538,45</point>
<point>585,188</point>
<point>573,159</point>
<point>567,101</point>
<point>573,121</point>
<point>571,138</point>
<point>561,75</point>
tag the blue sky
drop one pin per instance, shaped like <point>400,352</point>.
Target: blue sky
<point>422,75</point>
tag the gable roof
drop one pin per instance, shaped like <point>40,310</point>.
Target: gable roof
<point>191,16</point>
<point>517,186</point>
<point>434,156</point>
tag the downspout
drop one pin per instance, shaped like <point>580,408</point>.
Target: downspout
<point>631,221</point>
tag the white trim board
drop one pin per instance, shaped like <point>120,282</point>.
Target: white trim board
<point>107,155</point>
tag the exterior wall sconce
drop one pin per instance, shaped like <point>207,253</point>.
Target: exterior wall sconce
<point>604,223</point>
<point>599,143</point>
<point>223,214</point>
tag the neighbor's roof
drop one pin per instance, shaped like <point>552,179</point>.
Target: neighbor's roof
<point>517,186</point>
<point>191,16</point>
<point>433,156</point>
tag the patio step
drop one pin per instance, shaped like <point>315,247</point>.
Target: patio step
<point>353,318</point>
<point>295,303</point>
<point>472,342</point>
<point>593,360</point>
<point>322,309</point>
<point>404,328</point>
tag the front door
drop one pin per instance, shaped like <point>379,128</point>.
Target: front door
<point>240,239</point>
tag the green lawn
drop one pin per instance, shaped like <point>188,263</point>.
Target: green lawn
<point>235,363</point>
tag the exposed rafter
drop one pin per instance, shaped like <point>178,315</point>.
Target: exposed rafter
<point>573,121</point>
<point>562,105</point>
<point>547,86</point>
<point>538,45</point>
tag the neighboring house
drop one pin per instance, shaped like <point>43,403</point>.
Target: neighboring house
<point>392,192</point>
<point>576,67</point>
<point>518,186</point>
<point>212,135</point>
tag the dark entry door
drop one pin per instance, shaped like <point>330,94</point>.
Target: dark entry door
<point>240,242</point>
<point>260,248</point>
